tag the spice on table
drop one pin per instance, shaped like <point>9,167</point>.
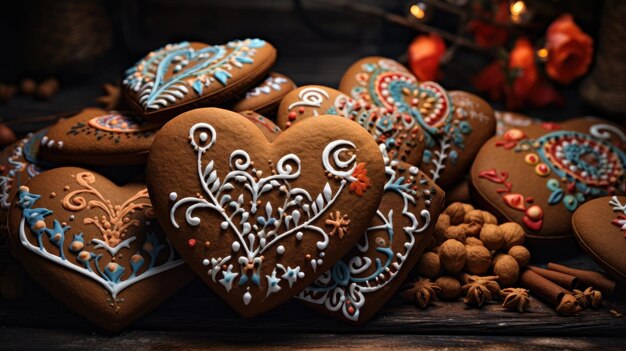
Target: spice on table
<point>616,314</point>
<point>516,299</point>
<point>587,278</point>
<point>542,287</point>
<point>563,279</point>
<point>421,292</point>
<point>588,297</point>
<point>478,289</point>
<point>568,306</point>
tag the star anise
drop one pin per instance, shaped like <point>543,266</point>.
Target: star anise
<point>568,306</point>
<point>480,289</point>
<point>589,297</point>
<point>515,299</point>
<point>420,292</point>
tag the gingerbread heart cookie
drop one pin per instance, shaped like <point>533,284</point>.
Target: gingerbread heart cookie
<point>402,136</point>
<point>360,284</point>
<point>265,98</point>
<point>94,246</point>
<point>260,221</point>
<point>99,138</point>
<point>182,76</point>
<point>600,229</point>
<point>455,124</point>
<point>267,127</point>
<point>507,120</point>
<point>538,175</point>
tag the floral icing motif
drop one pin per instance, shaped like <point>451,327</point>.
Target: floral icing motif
<point>256,225</point>
<point>271,83</point>
<point>113,126</point>
<point>169,74</point>
<point>266,123</point>
<point>346,285</point>
<point>74,254</point>
<point>388,85</point>
<point>620,221</point>
<point>18,164</point>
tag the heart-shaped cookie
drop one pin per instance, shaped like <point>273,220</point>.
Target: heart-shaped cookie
<point>260,221</point>
<point>265,97</point>
<point>402,136</point>
<point>360,284</point>
<point>100,138</point>
<point>267,127</point>
<point>94,246</point>
<point>600,228</point>
<point>507,120</point>
<point>455,124</point>
<point>182,76</point>
<point>538,175</point>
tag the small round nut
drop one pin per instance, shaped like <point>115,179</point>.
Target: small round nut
<point>456,213</point>
<point>456,232</point>
<point>520,254</point>
<point>478,260</point>
<point>436,249</point>
<point>429,265</point>
<point>443,222</point>
<point>506,268</point>
<point>513,234</point>
<point>450,288</point>
<point>489,218</point>
<point>474,216</point>
<point>28,86</point>
<point>452,255</point>
<point>471,241</point>
<point>467,207</point>
<point>491,235</point>
<point>472,229</point>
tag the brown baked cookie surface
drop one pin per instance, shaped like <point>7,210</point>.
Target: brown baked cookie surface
<point>100,138</point>
<point>600,229</point>
<point>94,246</point>
<point>267,127</point>
<point>368,276</point>
<point>455,124</point>
<point>539,175</point>
<point>402,136</point>
<point>507,120</point>
<point>265,97</point>
<point>260,221</point>
<point>179,77</point>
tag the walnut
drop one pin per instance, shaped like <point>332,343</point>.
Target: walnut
<point>568,306</point>
<point>436,249</point>
<point>506,267</point>
<point>515,299</point>
<point>513,234</point>
<point>471,241</point>
<point>450,288</point>
<point>472,229</point>
<point>478,260</point>
<point>421,292</point>
<point>452,255</point>
<point>489,218</point>
<point>467,207</point>
<point>455,232</point>
<point>491,235</point>
<point>456,212</point>
<point>443,222</point>
<point>520,254</point>
<point>474,216</point>
<point>429,265</point>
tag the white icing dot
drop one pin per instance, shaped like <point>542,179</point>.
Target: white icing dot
<point>322,254</point>
<point>72,217</point>
<point>203,136</point>
<point>299,235</point>
<point>246,298</point>
<point>173,195</point>
<point>236,246</point>
<point>280,250</point>
<point>320,262</point>
<point>206,262</point>
<point>413,170</point>
<point>300,275</point>
<point>224,225</point>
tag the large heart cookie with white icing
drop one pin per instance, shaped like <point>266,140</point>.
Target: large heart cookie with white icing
<point>455,123</point>
<point>360,284</point>
<point>260,221</point>
<point>401,134</point>
<point>100,138</point>
<point>94,246</point>
<point>600,228</point>
<point>182,76</point>
<point>539,175</point>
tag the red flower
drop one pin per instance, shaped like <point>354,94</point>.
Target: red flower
<point>523,69</point>
<point>362,182</point>
<point>491,80</point>
<point>489,35</point>
<point>425,52</point>
<point>570,50</point>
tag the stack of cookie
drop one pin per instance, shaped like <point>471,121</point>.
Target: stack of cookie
<point>227,170</point>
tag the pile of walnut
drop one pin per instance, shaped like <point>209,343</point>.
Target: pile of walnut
<point>474,256</point>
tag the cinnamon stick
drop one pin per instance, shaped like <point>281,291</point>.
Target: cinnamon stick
<point>542,287</point>
<point>565,280</point>
<point>599,281</point>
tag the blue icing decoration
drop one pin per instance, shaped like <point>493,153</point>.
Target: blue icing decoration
<point>114,272</point>
<point>222,76</point>
<point>427,156</point>
<point>454,156</point>
<point>197,86</point>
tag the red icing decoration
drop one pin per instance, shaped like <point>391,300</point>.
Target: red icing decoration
<point>533,225</point>
<point>550,126</point>
<point>191,242</point>
<point>515,201</point>
<point>493,176</point>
